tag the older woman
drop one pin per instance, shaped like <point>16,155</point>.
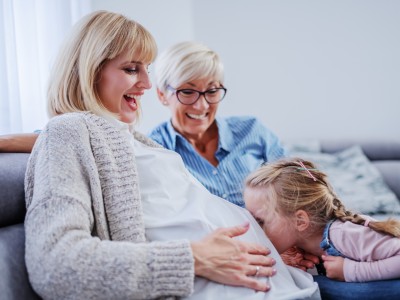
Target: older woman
<point>104,217</point>
<point>219,152</point>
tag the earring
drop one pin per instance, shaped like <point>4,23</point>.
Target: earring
<point>165,102</point>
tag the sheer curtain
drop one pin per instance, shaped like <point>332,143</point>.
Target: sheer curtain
<point>30,35</point>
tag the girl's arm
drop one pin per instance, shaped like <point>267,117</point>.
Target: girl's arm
<point>383,269</point>
<point>344,269</point>
<point>370,255</point>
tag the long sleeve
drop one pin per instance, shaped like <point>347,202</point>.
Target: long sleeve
<point>370,255</point>
<point>68,251</point>
<point>357,271</point>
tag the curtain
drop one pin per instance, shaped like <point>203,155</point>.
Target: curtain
<point>30,36</point>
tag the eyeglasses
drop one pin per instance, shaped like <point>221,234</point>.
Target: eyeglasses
<point>189,96</point>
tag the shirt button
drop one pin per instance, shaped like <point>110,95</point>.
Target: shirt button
<point>215,172</point>
<point>224,195</point>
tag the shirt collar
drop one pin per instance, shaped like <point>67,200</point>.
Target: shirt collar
<point>226,140</point>
<point>173,134</point>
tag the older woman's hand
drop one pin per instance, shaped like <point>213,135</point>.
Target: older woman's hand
<point>296,257</point>
<point>19,142</point>
<point>221,258</point>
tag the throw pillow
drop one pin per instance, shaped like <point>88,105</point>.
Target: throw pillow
<point>357,182</point>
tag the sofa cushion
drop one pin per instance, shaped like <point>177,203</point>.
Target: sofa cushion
<point>14,281</point>
<point>12,196</point>
<point>355,179</point>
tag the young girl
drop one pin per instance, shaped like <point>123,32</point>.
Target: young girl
<point>295,205</point>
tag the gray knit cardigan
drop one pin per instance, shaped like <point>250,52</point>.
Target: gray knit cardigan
<point>85,236</point>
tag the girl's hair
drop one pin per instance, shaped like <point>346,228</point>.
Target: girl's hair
<point>95,39</point>
<point>292,184</point>
<point>185,62</point>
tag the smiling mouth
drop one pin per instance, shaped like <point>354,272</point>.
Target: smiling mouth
<point>132,100</point>
<point>197,117</point>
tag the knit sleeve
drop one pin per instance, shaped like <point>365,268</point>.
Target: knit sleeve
<point>64,257</point>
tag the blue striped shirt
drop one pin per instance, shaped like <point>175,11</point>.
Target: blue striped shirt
<point>244,144</point>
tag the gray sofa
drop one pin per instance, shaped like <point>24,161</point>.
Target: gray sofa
<point>14,282</point>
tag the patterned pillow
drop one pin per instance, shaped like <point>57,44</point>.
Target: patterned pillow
<point>356,180</point>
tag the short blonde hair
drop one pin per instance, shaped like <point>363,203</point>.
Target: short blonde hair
<point>95,39</point>
<point>185,62</point>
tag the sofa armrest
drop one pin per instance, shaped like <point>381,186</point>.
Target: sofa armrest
<point>14,280</point>
<point>12,194</point>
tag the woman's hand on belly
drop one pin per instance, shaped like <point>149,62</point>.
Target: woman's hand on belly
<point>221,258</point>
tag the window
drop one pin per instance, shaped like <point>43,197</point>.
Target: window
<point>30,36</point>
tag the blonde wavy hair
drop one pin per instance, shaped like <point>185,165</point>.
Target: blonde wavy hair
<point>95,39</point>
<point>293,184</point>
<point>184,62</point>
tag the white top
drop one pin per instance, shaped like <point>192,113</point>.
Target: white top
<point>177,206</point>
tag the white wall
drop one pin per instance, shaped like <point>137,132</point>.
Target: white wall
<point>308,69</point>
